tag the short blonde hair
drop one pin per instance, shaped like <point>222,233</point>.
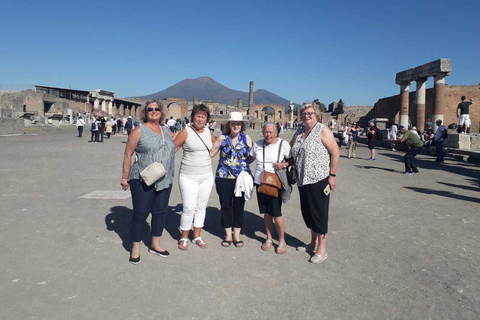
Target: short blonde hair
<point>317,112</point>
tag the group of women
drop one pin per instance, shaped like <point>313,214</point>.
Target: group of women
<point>313,152</point>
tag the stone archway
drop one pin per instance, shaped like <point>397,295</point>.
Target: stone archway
<point>268,114</point>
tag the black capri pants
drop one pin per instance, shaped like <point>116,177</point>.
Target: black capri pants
<point>314,204</point>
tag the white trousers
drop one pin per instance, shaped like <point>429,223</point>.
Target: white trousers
<point>195,191</point>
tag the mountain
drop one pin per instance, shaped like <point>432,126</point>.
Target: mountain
<point>205,88</point>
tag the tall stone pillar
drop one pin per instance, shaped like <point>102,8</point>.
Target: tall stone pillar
<point>404,97</point>
<point>110,107</point>
<point>195,101</point>
<point>250,98</point>
<point>127,110</point>
<point>239,105</point>
<point>121,109</point>
<point>104,105</point>
<point>139,108</point>
<point>439,108</point>
<point>96,104</point>
<point>420,100</point>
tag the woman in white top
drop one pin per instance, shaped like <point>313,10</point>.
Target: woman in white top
<point>196,177</point>
<point>270,206</point>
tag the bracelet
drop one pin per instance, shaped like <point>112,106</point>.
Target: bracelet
<point>332,175</point>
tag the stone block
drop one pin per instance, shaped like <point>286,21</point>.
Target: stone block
<point>11,126</point>
<point>475,142</point>
<point>464,141</point>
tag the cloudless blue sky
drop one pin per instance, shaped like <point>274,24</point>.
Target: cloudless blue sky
<point>300,50</point>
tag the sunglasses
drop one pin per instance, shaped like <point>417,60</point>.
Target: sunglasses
<point>151,109</point>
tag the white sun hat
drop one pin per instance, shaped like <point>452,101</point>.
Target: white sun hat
<point>236,116</point>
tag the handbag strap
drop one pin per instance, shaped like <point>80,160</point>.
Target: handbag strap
<point>279,151</point>
<point>200,138</point>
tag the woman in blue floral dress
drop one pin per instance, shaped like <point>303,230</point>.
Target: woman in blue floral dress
<point>234,146</point>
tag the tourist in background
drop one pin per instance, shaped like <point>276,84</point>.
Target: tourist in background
<point>315,154</point>
<point>114,125</point>
<point>415,147</point>
<point>171,124</point>
<point>439,136</point>
<point>393,135</point>
<point>352,133</point>
<point>195,177</point>
<point>372,132</point>
<point>234,146</point>
<point>94,129</point>
<point>276,151</point>
<point>152,143</point>
<point>129,125</point>
<point>464,116</point>
<point>108,128</point>
<point>80,125</point>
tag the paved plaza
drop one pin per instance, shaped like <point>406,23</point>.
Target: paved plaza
<point>399,247</point>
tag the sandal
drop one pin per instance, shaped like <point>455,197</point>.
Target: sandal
<point>226,243</point>
<point>238,244</point>
<point>185,244</point>
<point>199,242</point>
<point>267,245</point>
<point>282,248</point>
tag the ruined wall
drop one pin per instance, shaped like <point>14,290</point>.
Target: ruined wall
<point>390,106</point>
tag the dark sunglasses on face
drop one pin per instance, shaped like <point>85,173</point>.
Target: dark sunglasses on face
<point>151,109</point>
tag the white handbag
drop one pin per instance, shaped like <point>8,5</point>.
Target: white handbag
<point>155,171</point>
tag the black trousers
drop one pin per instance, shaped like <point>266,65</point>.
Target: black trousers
<point>80,131</point>
<point>145,201</point>
<point>409,159</point>
<point>231,207</point>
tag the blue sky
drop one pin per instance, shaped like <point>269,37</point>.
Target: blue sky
<point>300,50</point>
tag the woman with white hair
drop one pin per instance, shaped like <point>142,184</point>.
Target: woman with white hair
<point>234,146</point>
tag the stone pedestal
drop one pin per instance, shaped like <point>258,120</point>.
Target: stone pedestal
<point>381,123</point>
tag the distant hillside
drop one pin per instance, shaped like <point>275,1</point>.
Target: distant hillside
<point>205,88</point>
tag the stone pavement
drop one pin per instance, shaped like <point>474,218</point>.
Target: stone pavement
<point>400,247</point>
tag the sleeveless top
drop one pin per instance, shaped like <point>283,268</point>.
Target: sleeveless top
<point>312,160</point>
<point>354,133</point>
<point>233,159</point>
<point>149,149</point>
<point>196,158</point>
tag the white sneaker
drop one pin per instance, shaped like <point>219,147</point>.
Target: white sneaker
<point>318,258</point>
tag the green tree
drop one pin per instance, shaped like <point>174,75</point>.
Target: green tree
<point>319,105</point>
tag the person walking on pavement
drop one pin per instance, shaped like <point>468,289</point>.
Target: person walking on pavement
<point>94,130</point>
<point>80,125</point>
<point>393,134</point>
<point>129,125</point>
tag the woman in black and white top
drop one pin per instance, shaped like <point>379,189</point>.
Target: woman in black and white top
<point>315,154</point>
<point>196,177</point>
<point>270,206</point>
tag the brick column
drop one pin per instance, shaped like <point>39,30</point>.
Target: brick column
<point>404,97</point>
<point>439,108</point>
<point>420,100</point>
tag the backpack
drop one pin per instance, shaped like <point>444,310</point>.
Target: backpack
<point>379,136</point>
<point>445,136</point>
<point>94,126</point>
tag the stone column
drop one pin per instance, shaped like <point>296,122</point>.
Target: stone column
<point>127,110</point>
<point>420,100</point>
<point>137,112</point>
<point>439,108</point>
<point>239,105</point>
<point>250,98</point>
<point>404,97</point>
<point>104,105</point>
<point>195,101</point>
<point>95,104</point>
<point>110,107</point>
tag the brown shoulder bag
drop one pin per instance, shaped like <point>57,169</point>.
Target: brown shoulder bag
<point>269,183</point>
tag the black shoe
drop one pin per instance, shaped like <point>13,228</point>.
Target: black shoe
<point>163,254</point>
<point>134,260</point>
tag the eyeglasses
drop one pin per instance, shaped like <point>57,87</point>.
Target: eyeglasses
<point>151,109</point>
<point>304,114</point>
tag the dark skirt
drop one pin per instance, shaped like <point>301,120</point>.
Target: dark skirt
<point>314,204</point>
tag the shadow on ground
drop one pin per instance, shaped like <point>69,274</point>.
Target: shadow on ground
<point>444,193</point>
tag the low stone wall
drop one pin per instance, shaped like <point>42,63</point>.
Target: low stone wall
<point>11,126</point>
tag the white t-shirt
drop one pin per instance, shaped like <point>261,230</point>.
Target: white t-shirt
<point>271,156</point>
<point>171,122</point>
